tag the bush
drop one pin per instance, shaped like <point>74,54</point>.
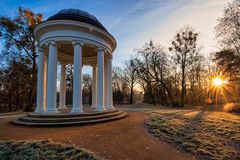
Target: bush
<point>232,107</point>
<point>209,101</point>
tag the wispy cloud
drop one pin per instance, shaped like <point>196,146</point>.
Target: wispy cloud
<point>161,22</point>
<point>134,22</point>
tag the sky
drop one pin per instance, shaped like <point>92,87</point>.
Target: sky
<point>135,22</point>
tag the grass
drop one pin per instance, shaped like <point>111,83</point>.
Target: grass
<point>39,150</point>
<point>232,107</point>
<point>205,134</point>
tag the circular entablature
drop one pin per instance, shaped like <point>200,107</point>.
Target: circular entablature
<point>74,25</point>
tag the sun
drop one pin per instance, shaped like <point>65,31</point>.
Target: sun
<point>218,82</point>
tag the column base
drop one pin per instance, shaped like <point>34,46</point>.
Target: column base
<point>109,107</point>
<point>62,107</point>
<point>94,106</point>
<point>77,110</point>
<point>100,108</point>
<point>39,110</point>
<point>50,111</point>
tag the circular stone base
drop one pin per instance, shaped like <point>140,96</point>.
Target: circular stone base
<point>69,119</point>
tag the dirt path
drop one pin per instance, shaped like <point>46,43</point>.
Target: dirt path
<point>125,139</point>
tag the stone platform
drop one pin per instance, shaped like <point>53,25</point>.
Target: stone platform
<point>64,118</point>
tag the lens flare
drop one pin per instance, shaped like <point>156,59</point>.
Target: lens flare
<point>218,82</point>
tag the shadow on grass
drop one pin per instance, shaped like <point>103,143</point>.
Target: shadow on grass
<point>205,134</point>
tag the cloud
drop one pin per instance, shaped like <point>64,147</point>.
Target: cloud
<point>135,22</point>
<point>163,20</point>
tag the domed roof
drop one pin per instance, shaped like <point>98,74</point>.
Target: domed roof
<point>77,15</point>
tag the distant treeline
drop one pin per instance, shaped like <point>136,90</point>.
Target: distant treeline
<point>173,75</point>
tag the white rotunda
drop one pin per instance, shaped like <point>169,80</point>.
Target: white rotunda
<point>75,37</point>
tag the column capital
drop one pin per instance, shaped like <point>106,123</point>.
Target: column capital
<point>109,57</point>
<point>101,49</point>
<point>53,43</point>
<point>77,43</point>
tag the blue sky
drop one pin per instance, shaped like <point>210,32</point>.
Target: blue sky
<point>134,22</point>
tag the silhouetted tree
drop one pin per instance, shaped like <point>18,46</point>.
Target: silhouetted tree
<point>185,53</point>
<point>119,85</point>
<point>228,61</point>
<point>130,75</point>
<point>228,35</point>
<point>153,69</point>
<point>227,30</point>
<point>18,38</point>
<point>14,84</point>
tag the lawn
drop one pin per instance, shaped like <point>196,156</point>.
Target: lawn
<point>205,134</point>
<point>38,150</point>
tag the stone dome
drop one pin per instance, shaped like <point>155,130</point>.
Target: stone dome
<point>77,15</point>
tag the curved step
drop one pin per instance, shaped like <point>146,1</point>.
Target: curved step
<point>68,119</point>
<point>59,124</point>
<point>62,115</point>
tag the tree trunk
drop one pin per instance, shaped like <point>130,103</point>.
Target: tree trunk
<point>169,93</point>
<point>183,86</point>
<point>152,96</point>
<point>31,97</point>
<point>131,95</point>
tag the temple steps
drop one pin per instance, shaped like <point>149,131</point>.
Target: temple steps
<point>62,115</point>
<point>68,119</point>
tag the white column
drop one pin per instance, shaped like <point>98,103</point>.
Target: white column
<point>105,81</point>
<point>100,80</point>
<point>77,78</point>
<point>40,91</point>
<point>62,100</point>
<point>94,86</point>
<point>52,79</point>
<point>109,104</point>
<point>45,81</point>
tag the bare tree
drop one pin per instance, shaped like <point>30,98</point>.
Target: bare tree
<point>17,35</point>
<point>14,81</point>
<point>153,68</point>
<point>185,53</point>
<point>228,62</point>
<point>228,36</point>
<point>227,30</point>
<point>195,78</point>
<point>130,75</point>
<point>119,85</point>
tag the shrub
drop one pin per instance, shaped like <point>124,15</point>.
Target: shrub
<point>232,107</point>
<point>209,101</point>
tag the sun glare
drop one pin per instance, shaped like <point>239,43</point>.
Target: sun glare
<point>218,82</point>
